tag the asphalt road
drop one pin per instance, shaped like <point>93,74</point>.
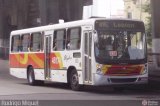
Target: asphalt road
<point>15,89</point>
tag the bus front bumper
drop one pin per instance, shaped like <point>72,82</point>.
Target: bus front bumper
<point>118,80</point>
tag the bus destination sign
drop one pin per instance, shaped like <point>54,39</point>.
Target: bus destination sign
<point>118,24</point>
<point>123,25</point>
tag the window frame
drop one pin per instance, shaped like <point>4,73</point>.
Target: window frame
<point>55,40</point>
<point>41,42</point>
<point>21,42</point>
<point>68,40</point>
<point>12,43</point>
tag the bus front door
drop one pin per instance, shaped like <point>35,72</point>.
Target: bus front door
<point>87,56</point>
<point>47,57</point>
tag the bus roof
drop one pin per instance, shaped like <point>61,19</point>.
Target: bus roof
<point>63,25</point>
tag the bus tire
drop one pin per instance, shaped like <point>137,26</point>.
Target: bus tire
<point>74,81</point>
<point>31,78</point>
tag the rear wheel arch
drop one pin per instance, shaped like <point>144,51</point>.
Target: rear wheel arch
<point>31,76</point>
<point>73,79</point>
<point>29,66</point>
<point>69,73</point>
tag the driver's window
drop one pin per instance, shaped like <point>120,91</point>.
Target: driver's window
<point>136,40</point>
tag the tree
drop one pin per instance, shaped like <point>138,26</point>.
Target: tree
<point>147,9</point>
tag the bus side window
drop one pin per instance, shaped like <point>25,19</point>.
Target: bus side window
<point>36,42</point>
<point>15,43</point>
<point>19,42</point>
<point>55,41</point>
<point>25,42</point>
<point>68,40</point>
<point>42,41</point>
<point>59,40</point>
<point>74,38</point>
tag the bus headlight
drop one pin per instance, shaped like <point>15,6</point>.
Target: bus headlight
<point>145,69</point>
<point>99,69</point>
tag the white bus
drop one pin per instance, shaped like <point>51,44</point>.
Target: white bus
<point>86,52</point>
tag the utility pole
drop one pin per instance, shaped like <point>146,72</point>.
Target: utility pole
<point>141,10</point>
<point>156,31</point>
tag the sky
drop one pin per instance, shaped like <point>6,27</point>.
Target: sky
<point>105,8</point>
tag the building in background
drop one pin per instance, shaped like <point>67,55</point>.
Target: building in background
<point>134,9</point>
<point>20,14</point>
<point>104,8</point>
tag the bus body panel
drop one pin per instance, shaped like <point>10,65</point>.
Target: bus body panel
<point>39,74</point>
<point>23,60</point>
<point>113,80</point>
<point>19,72</point>
<point>61,61</point>
<point>121,74</point>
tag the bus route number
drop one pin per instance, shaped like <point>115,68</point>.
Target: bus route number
<point>55,60</point>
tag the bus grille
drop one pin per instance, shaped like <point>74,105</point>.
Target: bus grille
<point>123,80</point>
<point>124,70</point>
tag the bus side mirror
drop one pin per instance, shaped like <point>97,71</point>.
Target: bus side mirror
<point>95,36</point>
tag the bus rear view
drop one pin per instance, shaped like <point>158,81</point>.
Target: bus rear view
<point>120,52</point>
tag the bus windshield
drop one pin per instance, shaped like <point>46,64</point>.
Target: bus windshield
<point>120,46</point>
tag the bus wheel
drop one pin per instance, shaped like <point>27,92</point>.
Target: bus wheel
<point>31,78</point>
<point>74,82</point>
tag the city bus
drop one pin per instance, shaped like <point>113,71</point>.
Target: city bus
<point>96,52</point>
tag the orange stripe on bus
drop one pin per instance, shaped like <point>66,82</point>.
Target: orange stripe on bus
<point>59,60</point>
<point>37,60</point>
